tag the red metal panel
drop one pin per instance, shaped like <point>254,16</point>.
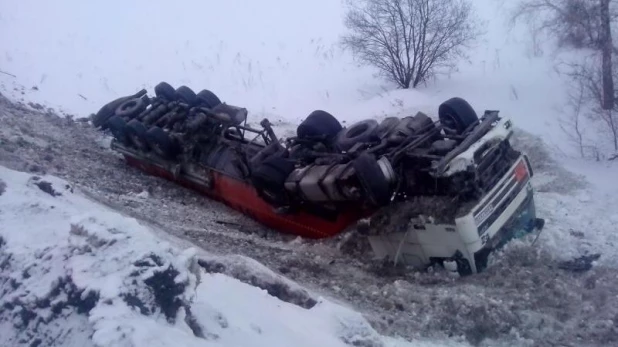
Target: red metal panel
<point>243,197</point>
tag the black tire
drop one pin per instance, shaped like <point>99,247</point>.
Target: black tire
<point>100,118</point>
<point>456,115</point>
<point>363,131</point>
<point>372,179</point>
<point>131,108</point>
<point>136,131</point>
<point>269,179</point>
<point>106,112</point>
<point>319,124</point>
<point>161,143</point>
<point>165,91</point>
<point>208,99</point>
<point>186,95</point>
<point>118,128</point>
<point>386,126</point>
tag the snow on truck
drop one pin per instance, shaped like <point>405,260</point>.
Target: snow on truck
<point>422,191</point>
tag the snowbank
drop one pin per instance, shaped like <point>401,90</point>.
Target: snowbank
<point>75,273</point>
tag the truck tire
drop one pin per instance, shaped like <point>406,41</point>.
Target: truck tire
<point>269,178</point>
<point>186,95</point>
<point>363,131</point>
<point>372,179</point>
<point>208,99</point>
<point>162,143</point>
<point>456,115</point>
<point>118,127</point>
<point>319,124</point>
<point>386,126</point>
<point>100,118</point>
<point>131,108</point>
<point>136,131</point>
<point>106,112</point>
<point>165,91</point>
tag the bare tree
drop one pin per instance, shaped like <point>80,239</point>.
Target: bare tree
<point>409,41</point>
<point>589,75</point>
<point>571,125</point>
<point>582,24</point>
<point>605,43</point>
<point>574,23</point>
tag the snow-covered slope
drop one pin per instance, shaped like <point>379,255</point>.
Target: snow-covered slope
<point>75,273</point>
<point>275,57</point>
<point>555,301</point>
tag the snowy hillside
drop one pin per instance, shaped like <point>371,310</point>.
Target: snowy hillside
<point>557,300</point>
<point>75,273</point>
<point>283,63</point>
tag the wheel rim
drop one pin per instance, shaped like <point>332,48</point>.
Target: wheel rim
<point>449,122</point>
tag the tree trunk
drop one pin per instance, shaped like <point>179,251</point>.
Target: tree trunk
<point>606,49</point>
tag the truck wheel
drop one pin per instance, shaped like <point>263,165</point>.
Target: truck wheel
<point>165,91</point>
<point>136,132</point>
<point>456,115</point>
<point>106,112</point>
<point>161,143</point>
<point>208,98</point>
<point>319,124</point>
<point>375,185</point>
<point>131,108</point>
<point>363,131</point>
<point>118,127</point>
<point>386,126</point>
<point>99,119</point>
<point>269,179</point>
<point>186,95</point>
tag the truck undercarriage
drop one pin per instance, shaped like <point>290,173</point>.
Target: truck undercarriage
<point>393,180</point>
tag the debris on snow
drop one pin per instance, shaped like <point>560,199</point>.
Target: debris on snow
<point>47,188</point>
<point>580,264</point>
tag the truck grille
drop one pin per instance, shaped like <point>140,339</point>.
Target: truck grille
<point>492,208</point>
<point>494,164</point>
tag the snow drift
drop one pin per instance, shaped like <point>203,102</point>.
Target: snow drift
<point>75,273</point>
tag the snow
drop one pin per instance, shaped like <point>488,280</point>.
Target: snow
<point>71,266</point>
<point>276,63</point>
<point>282,64</point>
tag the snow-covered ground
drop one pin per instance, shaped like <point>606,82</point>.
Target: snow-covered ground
<point>527,297</point>
<point>281,63</point>
<point>76,273</point>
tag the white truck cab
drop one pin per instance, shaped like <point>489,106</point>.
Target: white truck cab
<point>506,211</point>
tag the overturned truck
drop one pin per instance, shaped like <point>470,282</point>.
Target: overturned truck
<point>421,190</point>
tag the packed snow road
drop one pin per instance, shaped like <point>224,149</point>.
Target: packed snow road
<point>529,296</point>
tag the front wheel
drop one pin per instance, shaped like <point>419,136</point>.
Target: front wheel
<point>456,115</point>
